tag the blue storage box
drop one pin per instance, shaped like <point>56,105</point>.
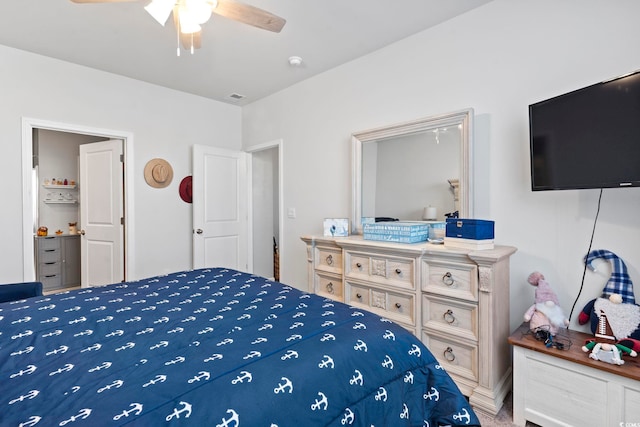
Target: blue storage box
<point>476,229</point>
<point>399,232</point>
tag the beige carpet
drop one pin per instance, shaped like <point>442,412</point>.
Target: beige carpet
<point>504,418</point>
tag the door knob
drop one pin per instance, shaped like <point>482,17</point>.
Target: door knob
<point>82,232</point>
<point>199,231</point>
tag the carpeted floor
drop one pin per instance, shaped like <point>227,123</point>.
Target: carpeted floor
<point>504,418</point>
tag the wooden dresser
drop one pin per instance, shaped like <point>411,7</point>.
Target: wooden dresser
<point>456,301</point>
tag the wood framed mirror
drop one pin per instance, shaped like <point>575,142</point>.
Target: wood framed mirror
<point>404,171</point>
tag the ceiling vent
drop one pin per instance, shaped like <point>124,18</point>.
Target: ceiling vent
<point>236,97</point>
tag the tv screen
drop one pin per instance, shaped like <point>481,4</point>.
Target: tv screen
<point>588,138</point>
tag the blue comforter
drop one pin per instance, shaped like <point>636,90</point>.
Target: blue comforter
<point>214,347</point>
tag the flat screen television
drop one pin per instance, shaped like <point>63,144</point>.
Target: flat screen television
<point>588,138</point>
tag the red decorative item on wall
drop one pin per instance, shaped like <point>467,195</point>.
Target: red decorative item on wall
<point>185,189</point>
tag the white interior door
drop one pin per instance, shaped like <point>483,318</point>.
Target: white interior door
<point>220,198</point>
<point>101,213</point>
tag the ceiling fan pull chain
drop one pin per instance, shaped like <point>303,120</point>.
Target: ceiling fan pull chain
<point>177,41</point>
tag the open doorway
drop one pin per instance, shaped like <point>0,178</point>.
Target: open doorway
<point>57,213</point>
<point>266,208</point>
<point>64,196</point>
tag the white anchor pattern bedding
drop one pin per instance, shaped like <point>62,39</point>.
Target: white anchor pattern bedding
<point>214,347</point>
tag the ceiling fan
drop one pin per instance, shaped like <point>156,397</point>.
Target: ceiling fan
<point>189,15</point>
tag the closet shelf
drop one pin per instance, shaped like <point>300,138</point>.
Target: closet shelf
<point>55,201</point>
<point>60,186</point>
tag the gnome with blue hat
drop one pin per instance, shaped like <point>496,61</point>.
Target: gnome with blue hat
<point>614,316</point>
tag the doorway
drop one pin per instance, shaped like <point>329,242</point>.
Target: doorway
<point>237,208</point>
<point>58,259</point>
<point>266,226</point>
<point>31,128</point>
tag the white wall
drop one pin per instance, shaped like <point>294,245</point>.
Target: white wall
<point>164,123</point>
<point>497,59</point>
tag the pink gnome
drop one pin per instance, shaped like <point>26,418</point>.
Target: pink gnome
<point>546,312</point>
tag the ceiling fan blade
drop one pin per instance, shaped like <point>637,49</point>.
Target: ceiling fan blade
<point>103,1</point>
<point>160,10</point>
<point>249,15</point>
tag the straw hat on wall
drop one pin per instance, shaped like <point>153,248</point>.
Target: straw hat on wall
<point>158,173</point>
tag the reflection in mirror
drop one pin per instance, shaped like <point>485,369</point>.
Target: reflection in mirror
<point>412,171</point>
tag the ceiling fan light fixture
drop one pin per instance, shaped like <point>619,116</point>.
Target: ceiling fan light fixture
<point>160,10</point>
<point>187,26</point>
<point>199,11</point>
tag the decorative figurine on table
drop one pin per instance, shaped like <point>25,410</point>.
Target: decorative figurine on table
<point>609,352</point>
<point>546,311</point>
<point>614,317</point>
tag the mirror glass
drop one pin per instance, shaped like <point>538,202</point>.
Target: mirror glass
<point>413,171</point>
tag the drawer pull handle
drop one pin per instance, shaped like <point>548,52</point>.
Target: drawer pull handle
<point>330,260</point>
<point>398,305</point>
<point>49,250</point>
<point>330,287</point>
<point>358,265</point>
<point>447,279</point>
<point>449,317</point>
<point>448,354</point>
<point>359,296</point>
<point>398,271</point>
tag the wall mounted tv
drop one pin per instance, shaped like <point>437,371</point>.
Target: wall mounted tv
<point>588,138</point>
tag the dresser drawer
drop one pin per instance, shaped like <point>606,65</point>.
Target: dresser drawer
<point>51,281</point>
<point>328,259</point>
<point>49,255</point>
<point>450,316</point>
<point>456,356</point>
<point>452,279</point>
<point>49,269</point>
<point>47,243</point>
<point>388,270</point>
<point>359,294</point>
<point>329,286</point>
<point>396,306</point>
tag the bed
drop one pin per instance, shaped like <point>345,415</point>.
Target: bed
<point>214,347</point>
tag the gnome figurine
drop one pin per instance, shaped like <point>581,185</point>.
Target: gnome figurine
<point>546,312</point>
<point>614,316</point>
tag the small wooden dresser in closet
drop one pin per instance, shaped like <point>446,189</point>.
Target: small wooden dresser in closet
<point>455,300</point>
<point>58,261</point>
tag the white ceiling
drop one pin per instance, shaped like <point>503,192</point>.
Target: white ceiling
<point>235,58</point>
